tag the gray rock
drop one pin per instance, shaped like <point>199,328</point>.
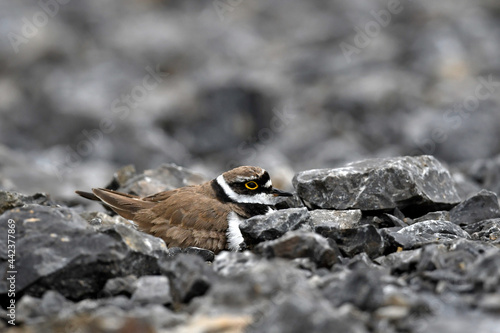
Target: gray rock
<point>361,287</point>
<point>189,276</point>
<point>338,219</point>
<point>125,285</point>
<point>481,206</point>
<point>49,305</point>
<point>61,251</point>
<point>401,261</point>
<point>271,226</point>
<point>351,241</point>
<point>298,244</point>
<point>297,314</point>
<point>426,232</point>
<point>9,200</point>
<point>378,184</point>
<point>485,173</point>
<point>485,271</point>
<point>486,231</point>
<point>152,289</point>
<point>436,216</point>
<point>253,288</point>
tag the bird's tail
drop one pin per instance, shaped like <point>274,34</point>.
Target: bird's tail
<point>125,205</point>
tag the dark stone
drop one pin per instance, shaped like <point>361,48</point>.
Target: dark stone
<point>152,289</point>
<point>253,287</point>
<point>271,226</point>
<point>379,184</point>
<point>485,231</point>
<point>481,206</point>
<point>426,232</point>
<point>485,271</point>
<point>401,262</point>
<point>290,202</point>
<point>189,276</point>
<point>485,173</point>
<point>9,200</point>
<point>298,244</point>
<point>61,251</point>
<point>352,241</point>
<point>361,287</point>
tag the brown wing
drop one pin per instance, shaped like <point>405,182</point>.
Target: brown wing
<point>124,204</point>
<point>183,217</point>
<point>186,217</point>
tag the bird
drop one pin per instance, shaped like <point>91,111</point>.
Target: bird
<point>205,216</point>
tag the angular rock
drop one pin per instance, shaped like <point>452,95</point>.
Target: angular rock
<point>486,231</point>
<point>352,241</point>
<point>481,206</point>
<point>152,289</point>
<point>402,261</point>
<point>338,219</point>
<point>189,276</point>
<point>379,184</point>
<point>253,287</point>
<point>273,225</point>
<point>426,232</point>
<point>302,245</point>
<point>436,216</point>
<point>361,287</point>
<point>9,200</point>
<point>61,251</point>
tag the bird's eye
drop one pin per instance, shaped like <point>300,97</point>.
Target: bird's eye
<point>251,185</point>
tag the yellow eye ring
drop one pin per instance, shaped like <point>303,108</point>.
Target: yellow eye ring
<point>251,185</point>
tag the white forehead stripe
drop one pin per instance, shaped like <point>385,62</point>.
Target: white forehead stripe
<point>268,184</point>
<point>260,198</point>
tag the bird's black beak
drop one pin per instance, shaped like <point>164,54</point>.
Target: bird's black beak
<point>280,193</point>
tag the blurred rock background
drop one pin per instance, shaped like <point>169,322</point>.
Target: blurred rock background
<point>89,86</point>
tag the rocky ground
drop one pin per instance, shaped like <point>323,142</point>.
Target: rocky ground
<point>300,88</point>
<point>381,245</point>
